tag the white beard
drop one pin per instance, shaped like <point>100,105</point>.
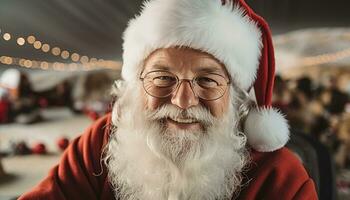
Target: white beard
<point>148,162</point>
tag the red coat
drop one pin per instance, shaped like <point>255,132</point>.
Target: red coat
<point>275,175</point>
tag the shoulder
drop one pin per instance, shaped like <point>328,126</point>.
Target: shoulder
<point>272,174</point>
<point>281,161</point>
<point>88,148</point>
<point>278,157</point>
<point>98,132</point>
<point>102,123</point>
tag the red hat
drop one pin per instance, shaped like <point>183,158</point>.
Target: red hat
<point>231,32</point>
<point>265,127</point>
<point>266,72</point>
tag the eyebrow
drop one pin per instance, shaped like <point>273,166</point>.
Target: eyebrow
<point>211,70</point>
<point>160,67</point>
<point>214,70</point>
<point>207,69</point>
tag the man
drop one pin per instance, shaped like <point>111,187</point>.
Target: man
<point>183,125</point>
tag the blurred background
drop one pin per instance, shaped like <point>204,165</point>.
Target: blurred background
<point>59,58</point>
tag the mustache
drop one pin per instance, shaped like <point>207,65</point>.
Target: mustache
<point>198,113</point>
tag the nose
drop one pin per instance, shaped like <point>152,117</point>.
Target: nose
<point>184,96</point>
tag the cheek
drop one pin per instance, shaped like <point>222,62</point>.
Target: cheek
<point>218,107</point>
<point>152,103</point>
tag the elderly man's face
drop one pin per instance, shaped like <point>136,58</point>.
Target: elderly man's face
<point>185,63</point>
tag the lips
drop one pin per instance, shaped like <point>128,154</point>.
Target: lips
<point>184,120</point>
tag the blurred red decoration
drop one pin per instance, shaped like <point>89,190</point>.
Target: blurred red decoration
<point>62,143</point>
<point>43,102</point>
<point>39,148</point>
<point>91,114</point>
<point>4,110</point>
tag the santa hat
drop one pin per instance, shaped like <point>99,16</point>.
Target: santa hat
<point>229,31</point>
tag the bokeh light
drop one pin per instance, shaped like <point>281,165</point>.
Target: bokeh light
<point>45,48</point>
<point>65,54</point>
<point>31,39</point>
<point>56,51</point>
<point>37,44</point>
<point>21,41</point>
<point>7,36</point>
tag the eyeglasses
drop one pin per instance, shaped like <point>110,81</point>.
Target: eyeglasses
<point>207,86</point>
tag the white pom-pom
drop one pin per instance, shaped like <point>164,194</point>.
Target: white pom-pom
<point>266,129</point>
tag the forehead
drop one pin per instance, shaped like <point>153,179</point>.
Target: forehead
<point>182,59</point>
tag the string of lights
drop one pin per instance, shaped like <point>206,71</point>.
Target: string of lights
<point>59,66</point>
<point>78,62</point>
<point>325,58</point>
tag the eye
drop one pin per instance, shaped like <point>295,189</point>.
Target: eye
<point>164,78</point>
<point>164,81</point>
<point>206,82</point>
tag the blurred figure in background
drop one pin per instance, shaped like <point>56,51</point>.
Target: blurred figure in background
<point>338,101</point>
<point>298,113</point>
<point>282,95</point>
<point>18,98</point>
<point>318,110</point>
<point>342,156</point>
<point>91,94</point>
<point>4,106</point>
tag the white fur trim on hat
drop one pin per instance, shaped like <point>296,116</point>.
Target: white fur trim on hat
<point>221,30</point>
<point>266,129</point>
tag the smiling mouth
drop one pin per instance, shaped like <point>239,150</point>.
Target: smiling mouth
<point>183,120</point>
<point>183,123</point>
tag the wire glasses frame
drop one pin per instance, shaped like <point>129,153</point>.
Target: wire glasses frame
<point>207,86</point>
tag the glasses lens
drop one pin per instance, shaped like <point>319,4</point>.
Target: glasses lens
<point>159,83</point>
<point>210,86</point>
<point>162,84</point>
